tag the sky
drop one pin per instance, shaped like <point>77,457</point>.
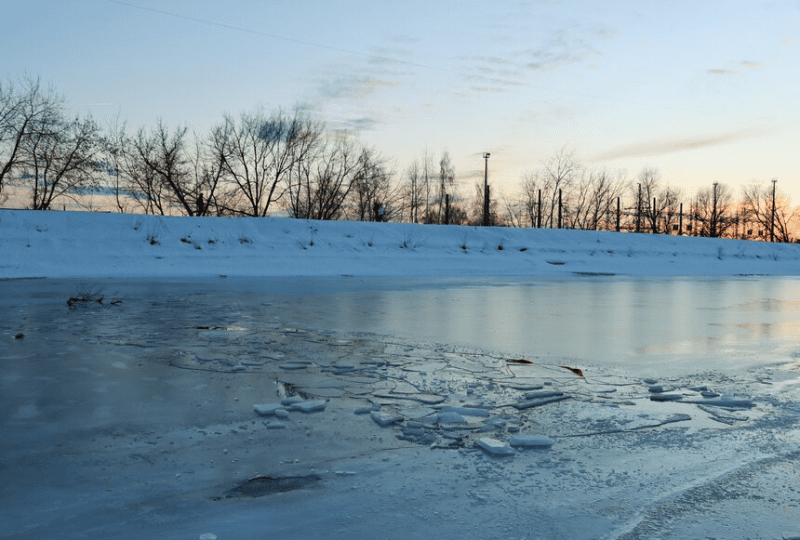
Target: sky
<point>703,91</point>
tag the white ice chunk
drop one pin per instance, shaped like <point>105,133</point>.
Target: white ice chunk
<point>291,400</point>
<point>309,406</point>
<point>384,421</point>
<point>208,536</point>
<point>536,441</point>
<point>495,447</point>
<point>267,409</point>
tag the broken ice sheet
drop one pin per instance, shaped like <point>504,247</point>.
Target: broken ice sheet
<point>385,420</point>
<point>495,447</point>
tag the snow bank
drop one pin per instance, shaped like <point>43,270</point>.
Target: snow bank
<point>82,244</point>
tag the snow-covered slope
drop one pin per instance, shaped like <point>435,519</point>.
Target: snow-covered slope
<point>77,244</point>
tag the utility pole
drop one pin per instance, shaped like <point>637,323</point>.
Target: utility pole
<point>486,190</point>
<point>639,210</point>
<point>772,218</point>
<point>654,215</point>
<point>559,208</point>
<point>539,211</point>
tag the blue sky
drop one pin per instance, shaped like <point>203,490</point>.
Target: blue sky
<point>704,91</point>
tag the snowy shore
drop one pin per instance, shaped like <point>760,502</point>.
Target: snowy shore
<point>82,244</point>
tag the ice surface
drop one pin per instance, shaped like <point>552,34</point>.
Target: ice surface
<point>156,442</point>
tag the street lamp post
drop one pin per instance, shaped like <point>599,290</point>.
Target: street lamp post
<point>772,216</point>
<point>486,190</point>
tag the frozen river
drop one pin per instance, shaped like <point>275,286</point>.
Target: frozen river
<point>135,416</point>
<point>646,326</point>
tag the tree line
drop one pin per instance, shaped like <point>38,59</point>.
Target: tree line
<point>565,194</point>
<point>259,163</point>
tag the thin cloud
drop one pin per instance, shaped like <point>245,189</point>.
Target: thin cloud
<point>352,87</point>
<point>749,64</point>
<point>505,71</point>
<point>662,147</point>
<point>744,64</point>
<point>357,124</point>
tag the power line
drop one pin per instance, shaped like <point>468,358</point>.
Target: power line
<point>378,57</point>
<point>275,36</point>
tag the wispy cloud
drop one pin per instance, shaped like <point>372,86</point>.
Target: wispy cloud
<point>750,64</point>
<point>741,64</point>
<point>505,70</point>
<point>351,87</point>
<point>669,146</point>
<point>356,124</point>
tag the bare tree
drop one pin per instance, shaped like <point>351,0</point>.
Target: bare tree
<point>458,210</point>
<point>413,191</point>
<point>515,212</point>
<point>529,201</point>
<point>166,167</point>
<point>476,213</point>
<point>713,210</point>
<point>373,190</point>
<point>446,180</point>
<point>606,189</point>
<point>259,153</point>
<point>114,142</point>
<point>24,113</point>
<point>320,184</point>
<point>578,207</point>
<point>669,201</point>
<point>647,189</point>
<point>757,207</point>
<point>59,157</point>
<point>426,176</point>
<point>557,175</point>
<point>131,178</point>
<point>208,179</point>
